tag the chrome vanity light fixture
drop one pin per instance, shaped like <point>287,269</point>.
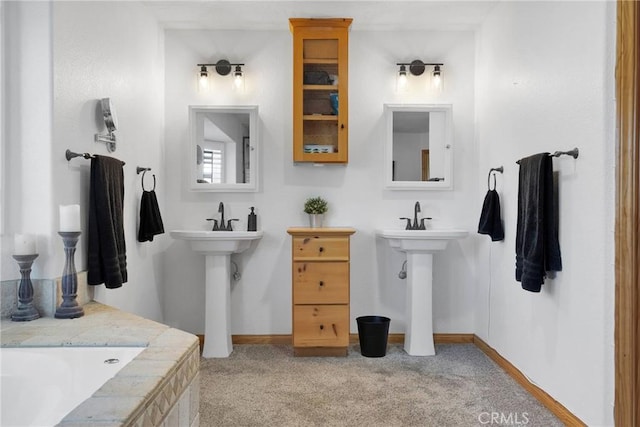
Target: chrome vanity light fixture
<point>402,78</point>
<point>417,68</point>
<point>223,67</point>
<point>111,122</point>
<point>436,77</point>
<point>203,79</point>
<point>238,78</point>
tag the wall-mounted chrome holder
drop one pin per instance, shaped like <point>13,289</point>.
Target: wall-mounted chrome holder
<point>25,311</point>
<point>498,169</point>
<point>111,123</point>
<point>109,139</point>
<point>69,309</point>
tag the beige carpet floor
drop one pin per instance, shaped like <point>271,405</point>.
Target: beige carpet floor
<point>264,385</point>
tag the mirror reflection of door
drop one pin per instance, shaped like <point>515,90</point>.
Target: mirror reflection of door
<point>410,139</point>
<point>425,165</point>
<point>246,148</point>
<point>419,145</point>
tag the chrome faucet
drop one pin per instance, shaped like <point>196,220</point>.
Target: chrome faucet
<point>415,225</point>
<point>416,209</point>
<point>221,226</point>
<point>221,212</point>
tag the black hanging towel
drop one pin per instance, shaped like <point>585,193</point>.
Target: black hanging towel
<point>537,245</point>
<point>150,218</point>
<point>490,220</point>
<point>107,260</point>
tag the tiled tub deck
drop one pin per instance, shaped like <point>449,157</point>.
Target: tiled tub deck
<point>160,387</point>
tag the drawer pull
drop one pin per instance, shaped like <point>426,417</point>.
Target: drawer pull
<point>321,327</point>
<point>321,249</point>
<point>321,283</point>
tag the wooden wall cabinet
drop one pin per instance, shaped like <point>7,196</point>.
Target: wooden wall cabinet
<point>320,290</point>
<point>320,76</point>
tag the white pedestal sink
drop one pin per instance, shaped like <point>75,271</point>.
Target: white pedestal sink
<point>419,246</point>
<point>217,246</point>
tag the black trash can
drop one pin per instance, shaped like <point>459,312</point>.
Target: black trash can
<point>373,332</point>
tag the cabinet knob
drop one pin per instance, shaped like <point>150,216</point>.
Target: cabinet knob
<point>321,327</point>
<point>321,283</point>
<point>321,249</point>
<point>342,126</point>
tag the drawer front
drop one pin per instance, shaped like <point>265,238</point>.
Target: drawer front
<point>319,248</point>
<point>320,282</point>
<point>321,325</point>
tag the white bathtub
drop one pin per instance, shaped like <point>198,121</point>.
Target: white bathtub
<point>41,385</point>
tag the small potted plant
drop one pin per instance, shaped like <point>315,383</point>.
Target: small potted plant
<point>316,208</point>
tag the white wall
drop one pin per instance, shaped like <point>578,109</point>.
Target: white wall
<point>261,301</point>
<point>55,87</point>
<point>545,83</point>
<point>27,133</point>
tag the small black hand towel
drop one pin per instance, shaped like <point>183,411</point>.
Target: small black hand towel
<point>150,218</point>
<point>490,219</point>
<point>107,261</point>
<point>537,245</point>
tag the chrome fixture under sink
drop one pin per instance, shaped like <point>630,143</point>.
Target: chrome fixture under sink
<point>217,247</point>
<point>419,246</point>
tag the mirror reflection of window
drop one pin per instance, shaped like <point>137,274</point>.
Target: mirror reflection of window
<point>212,166</point>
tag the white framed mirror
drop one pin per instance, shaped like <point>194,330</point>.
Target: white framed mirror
<point>418,147</point>
<point>223,148</point>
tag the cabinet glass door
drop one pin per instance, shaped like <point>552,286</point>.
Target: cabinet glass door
<point>320,96</point>
<point>320,92</point>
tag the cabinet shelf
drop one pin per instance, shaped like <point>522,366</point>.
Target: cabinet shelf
<point>320,61</point>
<point>329,88</point>
<point>319,117</point>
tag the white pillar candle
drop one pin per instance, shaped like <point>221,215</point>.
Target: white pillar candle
<point>24,244</point>
<point>70,218</point>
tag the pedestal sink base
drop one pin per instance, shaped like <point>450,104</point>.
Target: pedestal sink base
<point>217,328</point>
<point>217,246</point>
<point>418,338</point>
<point>419,245</point>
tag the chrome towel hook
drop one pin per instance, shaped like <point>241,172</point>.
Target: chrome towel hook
<point>498,169</point>
<point>144,171</point>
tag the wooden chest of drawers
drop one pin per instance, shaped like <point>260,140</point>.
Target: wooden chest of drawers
<point>320,289</point>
